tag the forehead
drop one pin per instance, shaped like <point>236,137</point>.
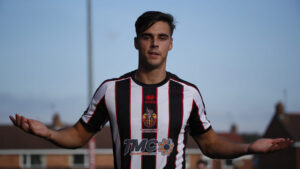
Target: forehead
<point>159,28</point>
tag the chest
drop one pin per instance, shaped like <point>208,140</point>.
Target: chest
<point>153,110</point>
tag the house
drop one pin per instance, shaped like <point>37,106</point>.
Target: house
<point>285,125</point>
<point>194,154</point>
<point>22,150</point>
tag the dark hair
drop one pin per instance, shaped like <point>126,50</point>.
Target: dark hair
<point>147,19</point>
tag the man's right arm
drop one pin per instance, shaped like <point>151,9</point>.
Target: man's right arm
<point>72,137</point>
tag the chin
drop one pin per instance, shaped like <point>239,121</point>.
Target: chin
<point>152,66</point>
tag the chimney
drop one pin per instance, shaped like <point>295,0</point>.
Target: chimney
<point>56,123</point>
<point>233,129</point>
<point>279,108</point>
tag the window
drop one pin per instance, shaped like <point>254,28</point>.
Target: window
<point>229,162</point>
<point>36,160</point>
<point>80,160</point>
<point>32,161</point>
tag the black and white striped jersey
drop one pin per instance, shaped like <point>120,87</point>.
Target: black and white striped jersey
<point>149,123</point>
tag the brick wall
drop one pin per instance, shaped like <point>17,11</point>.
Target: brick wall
<point>9,161</point>
<point>104,161</point>
<point>57,161</point>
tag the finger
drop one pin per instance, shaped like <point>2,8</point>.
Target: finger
<point>12,119</point>
<point>18,119</point>
<point>30,125</point>
<point>278,140</point>
<point>282,145</point>
<point>24,123</point>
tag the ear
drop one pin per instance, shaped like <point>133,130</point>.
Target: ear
<point>171,44</point>
<point>136,43</point>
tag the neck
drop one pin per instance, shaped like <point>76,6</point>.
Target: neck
<point>150,76</point>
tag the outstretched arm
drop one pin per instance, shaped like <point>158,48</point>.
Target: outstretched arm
<point>216,147</point>
<point>72,137</point>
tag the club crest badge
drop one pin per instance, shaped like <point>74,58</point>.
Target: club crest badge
<point>149,118</point>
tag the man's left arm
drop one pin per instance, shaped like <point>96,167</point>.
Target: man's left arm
<point>215,146</point>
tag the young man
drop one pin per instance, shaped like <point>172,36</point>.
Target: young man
<point>150,111</point>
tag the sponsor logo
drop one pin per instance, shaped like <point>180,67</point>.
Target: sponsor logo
<point>148,147</point>
<point>149,118</point>
<point>166,146</point>
<point>150,99</point>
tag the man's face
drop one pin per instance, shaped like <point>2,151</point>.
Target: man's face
<point>153,45</point>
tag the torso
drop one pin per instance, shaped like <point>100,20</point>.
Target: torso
<point>149,122</point>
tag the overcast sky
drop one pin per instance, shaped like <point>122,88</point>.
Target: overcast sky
<point>242,55</point>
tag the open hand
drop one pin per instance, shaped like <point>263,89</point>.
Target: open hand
<point>269,145</point>
<point>30,126</point>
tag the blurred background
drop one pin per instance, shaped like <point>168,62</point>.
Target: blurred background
<point>244,56</point>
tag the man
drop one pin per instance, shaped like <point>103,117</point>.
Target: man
<point>150,111</point>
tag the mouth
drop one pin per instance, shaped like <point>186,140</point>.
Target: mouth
<point>154,53</point>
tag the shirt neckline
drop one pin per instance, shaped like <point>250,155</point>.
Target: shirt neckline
<point>150,85</point>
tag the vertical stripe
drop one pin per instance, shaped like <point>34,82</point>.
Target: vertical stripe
<point>135,125</point>
<point>162,121</point>
<point>176,117</point>
<point>187,106</point>
<point>123,117</point>
<point>149,118</point>
<point>180,142</point>
<point>111,105</point>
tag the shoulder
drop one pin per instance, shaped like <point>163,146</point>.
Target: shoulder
<point>111,82</point>
<point>186,84</point>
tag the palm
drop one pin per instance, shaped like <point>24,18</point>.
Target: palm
<point>38,128</point>
<point>269,145</point>
<point>30,126</point>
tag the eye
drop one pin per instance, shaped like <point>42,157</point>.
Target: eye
<point>163,37</point>
<point>146,37</point>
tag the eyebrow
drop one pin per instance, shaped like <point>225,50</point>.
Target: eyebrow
<point>149,34</point>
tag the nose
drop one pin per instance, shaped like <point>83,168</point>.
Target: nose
<point>154,43</point>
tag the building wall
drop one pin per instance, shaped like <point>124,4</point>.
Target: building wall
<point>9,161</point>
<point>216,164</point>
<point>104,161</point>
<point>244,164</point>
<point>192,160</point>
<point>53,161</point>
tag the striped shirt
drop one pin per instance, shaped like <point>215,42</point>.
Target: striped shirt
<point>149,123</point>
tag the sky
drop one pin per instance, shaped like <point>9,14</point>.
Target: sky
<point>244,56</point>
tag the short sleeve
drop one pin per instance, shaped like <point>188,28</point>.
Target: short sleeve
<point>198,122</point>
<point>96,115</point>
